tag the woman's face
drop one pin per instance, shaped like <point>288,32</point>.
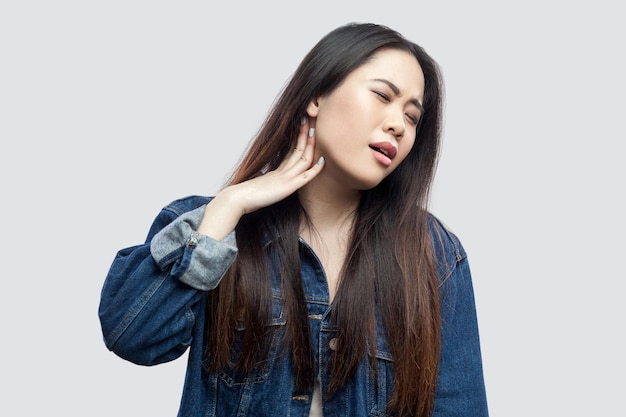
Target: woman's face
<point>367,125</point>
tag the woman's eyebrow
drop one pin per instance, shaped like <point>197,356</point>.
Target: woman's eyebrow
<point>396,91</point>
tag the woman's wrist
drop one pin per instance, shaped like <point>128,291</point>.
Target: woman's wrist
<point>221,215</point>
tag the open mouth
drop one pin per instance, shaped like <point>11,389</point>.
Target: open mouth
<point>384,152</point>
<point>383,156</point>
<point>385,148</point>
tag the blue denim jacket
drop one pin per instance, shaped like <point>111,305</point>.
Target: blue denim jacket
<point>152,310</point>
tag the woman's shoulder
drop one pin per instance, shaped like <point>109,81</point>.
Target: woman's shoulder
<point>448,248</point>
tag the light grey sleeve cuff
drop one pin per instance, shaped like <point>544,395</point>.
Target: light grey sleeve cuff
<point>198,260</point>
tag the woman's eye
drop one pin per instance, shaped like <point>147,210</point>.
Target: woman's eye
<point>412,119</point>
<point>382,95</point>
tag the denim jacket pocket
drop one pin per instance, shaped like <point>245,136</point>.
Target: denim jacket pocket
<point>232,376</point>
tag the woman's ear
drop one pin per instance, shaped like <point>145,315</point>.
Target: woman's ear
<point>313,108</point>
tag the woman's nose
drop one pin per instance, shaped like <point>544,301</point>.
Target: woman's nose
<point>395,124</point>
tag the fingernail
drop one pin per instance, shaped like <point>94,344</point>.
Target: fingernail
<point>320,161</point>
<point>302,121</point>
<point>311,132</point>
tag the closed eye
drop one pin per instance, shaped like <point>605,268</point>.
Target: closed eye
<point>381,95</point>
<point>414,120</point>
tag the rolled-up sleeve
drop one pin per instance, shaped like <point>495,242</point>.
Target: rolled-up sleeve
<point>153,297</point>
<point>197,260</point>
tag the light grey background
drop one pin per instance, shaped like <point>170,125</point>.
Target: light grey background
<point>109,110</point>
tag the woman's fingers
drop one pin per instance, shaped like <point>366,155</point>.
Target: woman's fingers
<point>309,149</point>
<point>300,163</point>
<point>297,169</point>
<point>312,167</point>
<point>303,150</point>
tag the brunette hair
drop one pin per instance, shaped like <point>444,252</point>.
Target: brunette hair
<point>389,280</point>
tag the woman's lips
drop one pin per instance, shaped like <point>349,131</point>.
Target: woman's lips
<point>381,157</point>
<point>384,152</point>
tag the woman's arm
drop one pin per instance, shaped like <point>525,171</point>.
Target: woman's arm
<point>153,292</point>
<point>460,387</point>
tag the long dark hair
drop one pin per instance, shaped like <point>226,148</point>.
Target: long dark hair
<point>389,277</point>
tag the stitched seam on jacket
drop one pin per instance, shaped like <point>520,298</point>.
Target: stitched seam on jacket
<point>136,309</point>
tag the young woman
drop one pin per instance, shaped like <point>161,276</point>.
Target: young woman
<point>315,282</point>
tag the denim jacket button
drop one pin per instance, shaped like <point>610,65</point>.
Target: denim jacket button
<point>332,343</point>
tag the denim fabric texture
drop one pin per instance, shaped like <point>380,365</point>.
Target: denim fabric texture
<point>152,310</point>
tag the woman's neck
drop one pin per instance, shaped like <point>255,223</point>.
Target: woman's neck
<point>327,227</point>
<point>327,205</point>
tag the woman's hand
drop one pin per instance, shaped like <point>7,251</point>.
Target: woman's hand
<point>298,168</point>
